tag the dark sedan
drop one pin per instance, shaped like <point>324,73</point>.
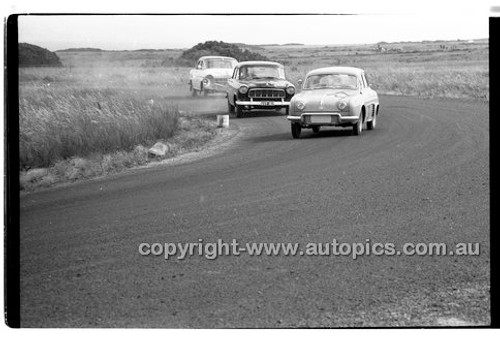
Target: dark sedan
<point>258,85</point>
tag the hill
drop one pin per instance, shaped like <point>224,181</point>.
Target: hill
<point>77,50</point>
<point>34,56</point>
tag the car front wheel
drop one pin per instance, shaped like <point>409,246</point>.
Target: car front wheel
<point>239,111</point>
<point>230,107</point>
<point>357,128</point>
<point>296,130</point>
<point>203,90</point>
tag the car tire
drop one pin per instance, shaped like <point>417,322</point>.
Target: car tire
<point>203,91</point>
<point>230,107</point>
<point>239,111</point>
<point>372,124</point>
<point>316,129</point>
<point>357,128</point>
<point>296,130</point>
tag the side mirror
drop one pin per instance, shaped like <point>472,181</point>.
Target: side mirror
<point>300,81</point>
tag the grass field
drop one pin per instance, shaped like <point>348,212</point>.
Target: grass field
<point>101,103</point>
<point>430,69</point>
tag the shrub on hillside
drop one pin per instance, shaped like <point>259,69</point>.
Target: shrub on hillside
<point>34,56</point>
<point>189,56</point>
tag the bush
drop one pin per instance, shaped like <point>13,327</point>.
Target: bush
<point>189,56</point>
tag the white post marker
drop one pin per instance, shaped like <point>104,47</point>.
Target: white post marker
<point>223,121</point>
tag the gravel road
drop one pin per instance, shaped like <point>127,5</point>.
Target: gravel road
<point>422,176</point>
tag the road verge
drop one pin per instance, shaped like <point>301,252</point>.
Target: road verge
<point>196,137</point>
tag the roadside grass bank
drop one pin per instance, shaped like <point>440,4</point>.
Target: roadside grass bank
<point>80,122</point>
<point>60,122</point>
<point>191,134</point>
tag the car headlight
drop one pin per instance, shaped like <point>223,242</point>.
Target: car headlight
<point>243,89</point>
<point>300,105</point>
<point>290,90</point>
<point>206,82</point>
<point>342,105</point>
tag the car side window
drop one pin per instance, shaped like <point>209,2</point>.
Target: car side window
<point>235,73</point>
<point>363,81</point>
<point>200,65</point>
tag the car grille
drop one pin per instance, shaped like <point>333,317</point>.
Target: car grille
<point>266,93</point>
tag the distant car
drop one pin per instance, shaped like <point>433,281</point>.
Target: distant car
<point>210,74</point>
<point>258,85</point>
<point>334,96</point>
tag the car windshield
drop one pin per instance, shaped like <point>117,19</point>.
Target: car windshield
<point>219,63</point>
<point>331,81</point>
<point>262,72</point>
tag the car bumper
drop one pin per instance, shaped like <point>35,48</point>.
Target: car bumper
<point>322,118</point>
<point>263,103</point>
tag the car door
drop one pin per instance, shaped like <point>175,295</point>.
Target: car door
<point>370,96</point>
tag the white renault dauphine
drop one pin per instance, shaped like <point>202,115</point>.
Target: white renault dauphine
<point>334,96</point>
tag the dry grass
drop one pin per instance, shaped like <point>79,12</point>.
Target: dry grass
<point>191,134</point>
<point>421,80</point>
<point>413,69</point>
<point>60,122</point>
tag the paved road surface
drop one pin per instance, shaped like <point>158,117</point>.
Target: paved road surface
<point>421,176</point>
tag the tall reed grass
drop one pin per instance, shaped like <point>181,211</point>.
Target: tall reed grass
<point>63,121</point>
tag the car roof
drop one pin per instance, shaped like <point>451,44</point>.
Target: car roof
<point>338,69</point>
<point>216,57</point>
<point>261,63</point>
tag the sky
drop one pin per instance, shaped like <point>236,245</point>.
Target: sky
<point>427,21</point>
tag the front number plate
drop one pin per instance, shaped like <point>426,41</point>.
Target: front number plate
<point>267,103</point>
<point>321,119</point>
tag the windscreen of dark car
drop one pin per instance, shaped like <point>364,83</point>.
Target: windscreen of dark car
<point>331,81</point>
<point>261,72</point>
